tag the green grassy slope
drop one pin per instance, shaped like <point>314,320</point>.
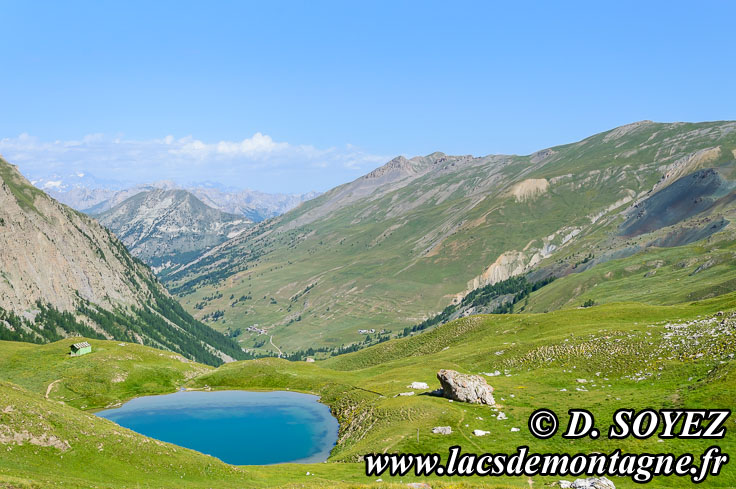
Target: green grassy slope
<point>654,275</point>
<point>387,253</point>
<point>112,373</point>
<point>629,354</point>
<point>624,351</point>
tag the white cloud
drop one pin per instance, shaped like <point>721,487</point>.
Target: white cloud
<point>256,162</point>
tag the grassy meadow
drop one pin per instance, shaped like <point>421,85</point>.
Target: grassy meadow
<point>628,354</point>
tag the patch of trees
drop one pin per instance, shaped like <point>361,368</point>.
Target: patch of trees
<point>585,260</point>
<point>518,287</point>
<point>325,352</point>
<point>22,329</point>
<point>240,299</point>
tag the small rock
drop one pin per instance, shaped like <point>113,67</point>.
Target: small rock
<point>501,417</point>
<point>515,429</point>
<point>406,393</point>
<point>492,374</point>
<point>480,432</point>
<point>418,385</point>
<point>418,485</point>
<point>442,430</point>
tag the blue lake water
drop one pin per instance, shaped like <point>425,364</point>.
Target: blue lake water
<point>238,427</point>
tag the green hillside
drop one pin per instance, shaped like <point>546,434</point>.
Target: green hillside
<point>655,275</point>
<point>630,355</point>
<point>400,244</point>
<point>112,373</point>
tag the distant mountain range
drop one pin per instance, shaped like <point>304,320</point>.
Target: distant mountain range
<point>63,274</point>
<point>613,217</point>
<point>622,215</point>
<point>625,238</point>
<point>85,193</point>
<point>165,228</point>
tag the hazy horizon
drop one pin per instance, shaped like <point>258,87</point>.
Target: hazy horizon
<point>293,97</point>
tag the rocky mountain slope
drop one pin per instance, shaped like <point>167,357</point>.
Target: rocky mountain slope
<point>165,228</point>
<point>62,274</point>
<point>401,243</point>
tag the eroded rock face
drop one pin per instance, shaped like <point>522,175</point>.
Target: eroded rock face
<point>465,388</point>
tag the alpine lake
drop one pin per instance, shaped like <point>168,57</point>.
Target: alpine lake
<point>237,427</point>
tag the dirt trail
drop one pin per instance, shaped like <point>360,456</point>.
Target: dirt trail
<point>274,345</point>
<point>51,386</point>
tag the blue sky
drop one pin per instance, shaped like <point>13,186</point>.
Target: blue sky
<point>296,96</point>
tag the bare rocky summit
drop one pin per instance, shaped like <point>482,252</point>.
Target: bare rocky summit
<point>167,227</point>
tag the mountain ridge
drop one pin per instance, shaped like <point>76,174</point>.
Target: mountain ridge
<point>394,247</point>
<point>165,227</point>
<point>87,194</point>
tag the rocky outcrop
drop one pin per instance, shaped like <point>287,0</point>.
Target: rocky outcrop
<point>590,483</point>
<point>508,264</point>
<point>529,189</point>
<point>465,388</point>
<point>442,430</point>
<point>9,436</point>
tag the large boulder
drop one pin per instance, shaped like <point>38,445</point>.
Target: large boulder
<point>465,388</point>
<point>590,483</point>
